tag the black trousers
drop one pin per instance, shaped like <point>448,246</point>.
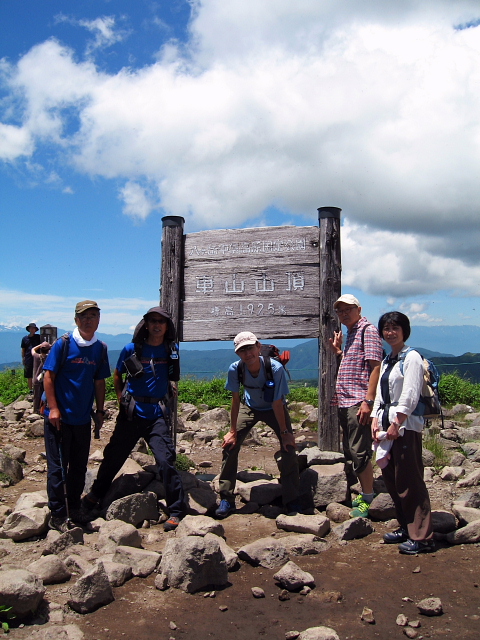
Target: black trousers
<point>125,436</point>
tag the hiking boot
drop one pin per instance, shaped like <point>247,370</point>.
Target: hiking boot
<point>399,535</point>
<point>412,547</point>
<point>361,509</point>
<point>293,507</point>
<point>224,509</point>
<point>59,523</point>
<point>357,501</point>
<point>82,515</point>
<point>171,524</point>
<point>89,502</point>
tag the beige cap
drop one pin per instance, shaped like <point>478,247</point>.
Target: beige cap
<point>84,305</point>
<point>243,339</point>
<point>347,298</point>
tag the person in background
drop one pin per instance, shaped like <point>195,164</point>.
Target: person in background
<point>27,344</point>
<point>75,372</point>
<point>39,355</point>
<point>355,392</point>
<point>398,393</point>
<point>263,403</point>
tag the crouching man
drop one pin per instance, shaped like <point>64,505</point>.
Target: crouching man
<point>150,363</point>
<point>265,385</point>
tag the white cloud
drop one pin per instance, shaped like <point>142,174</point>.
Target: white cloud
<point>14,142</point>
<point>370,107</point>
<point>20,308</point>
<point>103,28</point>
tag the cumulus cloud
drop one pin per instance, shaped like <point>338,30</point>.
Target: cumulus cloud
<point>370,107</point>
<point>103,28</point>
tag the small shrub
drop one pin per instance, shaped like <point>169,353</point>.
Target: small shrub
<point>12,385</point>
<point>183,462</point>
<point>5,479</point>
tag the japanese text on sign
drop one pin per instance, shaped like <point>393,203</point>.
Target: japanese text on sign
<point>235,284</point>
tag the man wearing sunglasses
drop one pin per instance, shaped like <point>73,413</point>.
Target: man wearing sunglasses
<point>151,366</point>
<point>263,402</point>
<point>355,392</point>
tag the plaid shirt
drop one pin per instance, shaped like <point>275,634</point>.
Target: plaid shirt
<point>354,372</point>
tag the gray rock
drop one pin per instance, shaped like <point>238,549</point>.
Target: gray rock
<point>26,523</point>
<point>466,535</point>
<point>77,564</point>
<point>318,525</point>
<point>401,620</point>
<point>428,474</point>
<point>36,429</point>
<point>382,508</point>
<point>189,480</point>
<point>216,419</point>
<point>324,484</point>
<point>471,449</point>
<point>116,533</point>
<point>12,414</point>
<point>257,592</point>
<point>199,526</point>
<point>201,500</point>
<point>456,459</point>
<point>292,578</point>
<point>450,434</point>
<point>337,512</point>
<point>304,544</point>
<point>145,460</point>
<point>314,456</point>
<point>14,452</point>
<point>260,491</point>
<point>443,521</point>
<point>470,433</point>
<point>50,569</point>
<point>31,500</point>
<point>11,468</point>
<point>142,562</point>
<point>189,412</point>
<point>21,590</point>
<point>64,541</point>
<point>64,632</point>
<point>428,458</point>
<point>452,473</point>
<point>202,437</point>
<point>231,558</point>
<point>461,408</point>
<point>117,572</point>
<point>473,500</point>
<point>465,515</point>
<point>134,508</point>
<point>311,420</point>
<point>269,552</point>
<point>193,563</point>
<point>91,591</point>
<point>319,633</point>
<point>430,607</point>
<point>471,480</point>
<point>354,528</point>
<point>130,479</point>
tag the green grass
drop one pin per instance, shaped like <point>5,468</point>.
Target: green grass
<point>433,444</point>
<point>183,462</point>
<point>453,389</point>
<point>12,385</point>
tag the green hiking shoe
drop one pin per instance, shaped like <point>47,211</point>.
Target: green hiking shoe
<point>361,509</point>
<point>357,500</point>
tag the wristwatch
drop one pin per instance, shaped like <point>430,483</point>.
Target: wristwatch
<point>369,402</point>
<point>283,432</point>
<point>100,411</point>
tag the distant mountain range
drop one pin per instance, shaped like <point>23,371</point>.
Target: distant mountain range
<point>203,360</point>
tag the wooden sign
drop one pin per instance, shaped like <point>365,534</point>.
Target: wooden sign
<point>264,280</point>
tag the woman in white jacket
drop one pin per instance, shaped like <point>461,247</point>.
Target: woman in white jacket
<point>394,411</point>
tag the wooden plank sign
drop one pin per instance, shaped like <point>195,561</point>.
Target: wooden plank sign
<point>264,280</point>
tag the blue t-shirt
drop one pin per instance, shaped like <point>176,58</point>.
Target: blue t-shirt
<point>254,396</point>
<point>75,381</point>
<point>153,383</point>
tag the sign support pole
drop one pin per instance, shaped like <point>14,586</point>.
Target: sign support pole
<point>170,288</point>
<point>330,291</point>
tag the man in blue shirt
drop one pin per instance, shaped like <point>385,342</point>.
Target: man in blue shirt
<point>75,372</point>
<point>150,362</point>
<point>264,402</point>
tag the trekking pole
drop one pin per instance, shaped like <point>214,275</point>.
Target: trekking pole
<point>70,524</point>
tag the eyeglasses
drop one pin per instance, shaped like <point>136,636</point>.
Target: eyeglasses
<point>344,311</point>
<point>88,315</point>
<point>157,320</point>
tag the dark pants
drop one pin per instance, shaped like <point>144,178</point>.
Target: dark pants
<point>75,443</point>
<point>287,461</point>
<point>125,436</point>
<point>356,440</point>
<point>403,477</point>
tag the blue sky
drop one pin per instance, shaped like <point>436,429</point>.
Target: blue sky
<point>235,113</point>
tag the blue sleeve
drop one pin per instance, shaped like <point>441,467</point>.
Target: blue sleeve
<point>280,379</point>
<point>125,353</point>
<point>104,369</point>
<point>233,383</point>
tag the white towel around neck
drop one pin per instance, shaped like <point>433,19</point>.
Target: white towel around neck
<point>81,341</point>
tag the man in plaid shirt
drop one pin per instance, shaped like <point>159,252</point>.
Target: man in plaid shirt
<point>355,393</point>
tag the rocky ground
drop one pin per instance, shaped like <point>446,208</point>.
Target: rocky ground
<point>190,584</point>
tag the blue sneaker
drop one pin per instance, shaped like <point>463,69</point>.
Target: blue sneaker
<point>224,509</point>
